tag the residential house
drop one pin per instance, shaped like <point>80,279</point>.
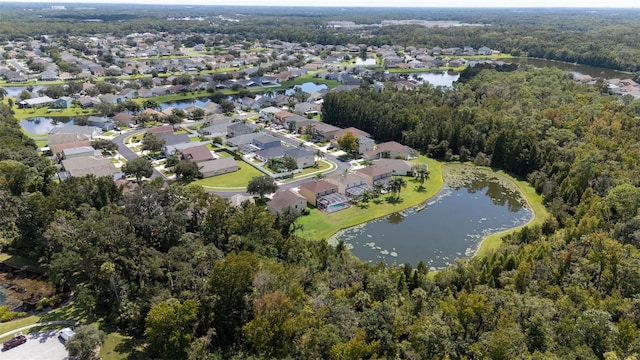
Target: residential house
<point>171,139</point>
<point>89,131</point>
<point>48,75</point>
<point>324,195</point>
<point>397,167</point>
<point>88,102</point>
<point>376,175</point>
<point>365,142</point>
<point>216,128</point>
<point>266,142</point>
<point>286,199</point>
<point>239,199</point>
<point>349,184</point>
<point>211,108</point>
<point>89,165</point>
<point>177,148</point>
<point>164,129</point>
<point>35,102</point>
<point>281,116</point>
<point>219,166</point>
<point>240,128</point>
<point>111,98</point>
<point>484,51</point>
<point>105,124</point>
<point>62,103</point>
<point>124,119</point>
<point>128,94</point>
<point>307,108</point>
<point>303,157</point>
<point>315,189</point>
<point>391,150</point>
<point>298,123</point>
<point>244,140</point>
<point>268,113</point>
<point>324,132</point>
<point>197,154</point>
<point>79,151</point>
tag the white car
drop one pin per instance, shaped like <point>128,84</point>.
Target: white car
<point>66,334</point>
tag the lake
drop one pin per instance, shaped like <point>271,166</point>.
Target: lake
<point>183,104</point>
<point>368,62</point>
<point>575,69</point>
<point>42,125</point>
<point>14,91</point>
<point>438,78</point>
<point>451,225</point>
<point>306,87</point>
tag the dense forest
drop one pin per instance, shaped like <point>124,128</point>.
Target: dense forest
<point>198,278</point>
<point>607,38</point>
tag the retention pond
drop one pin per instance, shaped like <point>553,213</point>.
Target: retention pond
<point>473,204</point>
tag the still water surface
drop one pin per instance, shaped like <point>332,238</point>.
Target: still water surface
<point>451,226</point>
<point>42,125</point>
<point>575,69</point>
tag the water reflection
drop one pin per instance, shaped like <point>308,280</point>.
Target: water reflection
<point>451,226</point>
<point>395,218</point>
<point>42,125</point>
<point>306,87</point>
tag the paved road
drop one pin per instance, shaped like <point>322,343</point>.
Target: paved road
<point>55,322</point>
<point>41,345</point>
<point>128,153</point>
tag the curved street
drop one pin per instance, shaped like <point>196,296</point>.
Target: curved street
<point>127,153</point>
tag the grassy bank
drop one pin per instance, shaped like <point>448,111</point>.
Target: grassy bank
<point>318,225</point>
<point>534,200</point>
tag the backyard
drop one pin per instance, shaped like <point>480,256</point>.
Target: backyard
<point>235,181</point>
<point>318,225</point>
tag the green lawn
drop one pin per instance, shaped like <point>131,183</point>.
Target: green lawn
<point>318,225</point>
<point>322,166</point>
<point>233,181</point>
<point>41,143</point>
<point>309,78</point>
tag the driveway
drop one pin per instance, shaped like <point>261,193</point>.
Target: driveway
<point>43,345</point>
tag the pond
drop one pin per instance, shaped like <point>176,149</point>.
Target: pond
<point>451,225</point>
<point>183,104</point>
<point>3,297</point>
<point>437,78</point>
<point>575,69</point>
<point>14,91</point>
<point>42,125</point>
<point>368,62</point>
<point>306,87</point>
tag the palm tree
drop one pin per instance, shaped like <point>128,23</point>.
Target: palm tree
<point>396,185</point>
<point>421,172</point>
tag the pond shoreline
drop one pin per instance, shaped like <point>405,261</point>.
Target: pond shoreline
<point>454,175</point>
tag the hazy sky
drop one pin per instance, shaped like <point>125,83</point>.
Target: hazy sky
<point>386,3</point>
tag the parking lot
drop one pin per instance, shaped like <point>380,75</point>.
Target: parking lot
<point>42,345</point>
